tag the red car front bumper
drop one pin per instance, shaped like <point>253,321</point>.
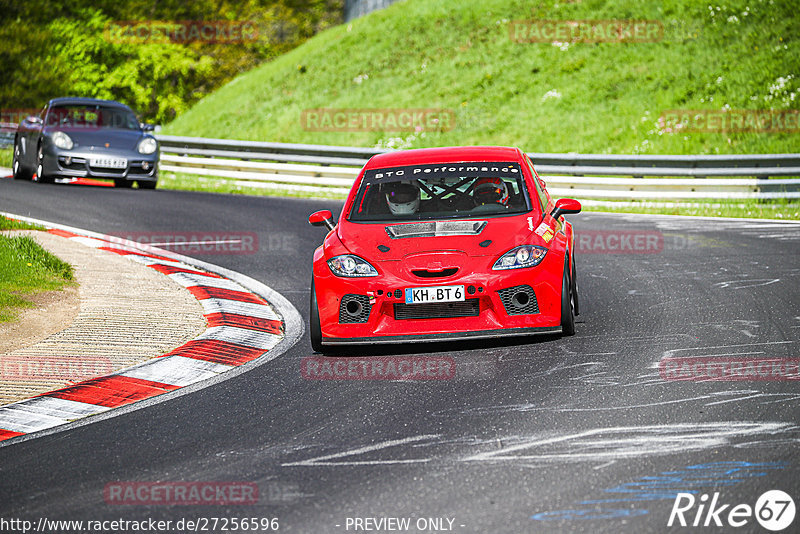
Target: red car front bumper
<point>373,310</point>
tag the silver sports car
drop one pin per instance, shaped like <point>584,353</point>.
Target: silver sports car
<point>86,138</point>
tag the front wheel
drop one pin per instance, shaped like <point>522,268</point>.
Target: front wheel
<point>567,313</point>
<point>16,166</point>
<point>315,330</point>
<point>40,177</point>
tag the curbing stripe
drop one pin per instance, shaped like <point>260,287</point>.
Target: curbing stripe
<point>212,306</point>
<point>190,280</point>
<point>8,434</point>
<point>245,321</point>
<point>176,370</point>
<point>206,292</point>
<point>169,269</point>
<point>61,408</point>
<point>241,336</point>
<point>223,352</point>
<point>39,413</point>
<point>111,391</point>
<point>242,327</point>
<point>25,422</point>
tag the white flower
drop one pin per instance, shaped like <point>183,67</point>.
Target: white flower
<point>552,93</point>
<point>733,19</point>
<point>719,80</point>
<point>561,46</point>
<point>360,78</point>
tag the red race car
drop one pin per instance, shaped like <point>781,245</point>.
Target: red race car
<point>444,243</point>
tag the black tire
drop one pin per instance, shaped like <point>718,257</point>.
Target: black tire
<point>122,183</point>
<point>315,330</point>
<point>39,176</point>
<point>567,315</point>
<point>574,279</point>
<point>19,170</point>
<point>146,185</point>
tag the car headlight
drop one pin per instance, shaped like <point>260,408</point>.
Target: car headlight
<point>148,145</point>
<point>520,257</point>
<point>62,140</point>
<point>351,266</point>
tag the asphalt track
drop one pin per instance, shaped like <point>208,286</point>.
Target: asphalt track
<point>544,434</point>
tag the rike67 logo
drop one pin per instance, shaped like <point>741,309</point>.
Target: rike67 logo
<point>774,510</point>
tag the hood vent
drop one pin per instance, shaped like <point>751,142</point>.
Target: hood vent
<point>436,229</point>
<point>444,273</point>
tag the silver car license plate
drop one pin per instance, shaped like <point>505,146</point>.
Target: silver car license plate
<point>109,163</point>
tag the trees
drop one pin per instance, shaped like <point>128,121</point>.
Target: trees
<point>55,49</point>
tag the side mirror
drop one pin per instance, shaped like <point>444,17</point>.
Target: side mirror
<point>564,206</point>
<point>33,119</point>
<point>147,127</point>
<point>322,218</point>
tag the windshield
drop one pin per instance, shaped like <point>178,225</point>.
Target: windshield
<point>92,117</point>
<point>440,191</point>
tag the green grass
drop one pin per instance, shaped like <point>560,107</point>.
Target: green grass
<point>740,209</point>
<point>26,269</point>
<point>13,224</point>
<point>458,55</point>
<point>6,157</point>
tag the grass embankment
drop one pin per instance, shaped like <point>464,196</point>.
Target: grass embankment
<point>6,157</point>
<point>579,97</point>
<point>26,269</point>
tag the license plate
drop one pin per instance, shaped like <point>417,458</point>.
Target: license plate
<point>423,295</point>
<point>109,163</point>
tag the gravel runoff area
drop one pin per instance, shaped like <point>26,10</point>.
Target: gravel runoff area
<point>124,313</point>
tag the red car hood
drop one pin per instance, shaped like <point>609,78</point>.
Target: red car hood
<point>446,243</point>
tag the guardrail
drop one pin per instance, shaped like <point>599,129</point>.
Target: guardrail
<point>333,169</point>
<point>7,131</point>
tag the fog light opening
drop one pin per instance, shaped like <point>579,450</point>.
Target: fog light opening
<point>520,299</point>
<point>353,308</point>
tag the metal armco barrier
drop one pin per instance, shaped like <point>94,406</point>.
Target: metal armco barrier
<point>619,177</point>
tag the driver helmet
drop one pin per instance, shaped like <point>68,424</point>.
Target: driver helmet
<point>490,191</point>
<point>402,198</point>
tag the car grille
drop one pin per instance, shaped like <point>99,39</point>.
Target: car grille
<point>107,171</point>
<point>354,309</point>
<point>437,310</point>
<point>444,273</point>
<point>519,300</point>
